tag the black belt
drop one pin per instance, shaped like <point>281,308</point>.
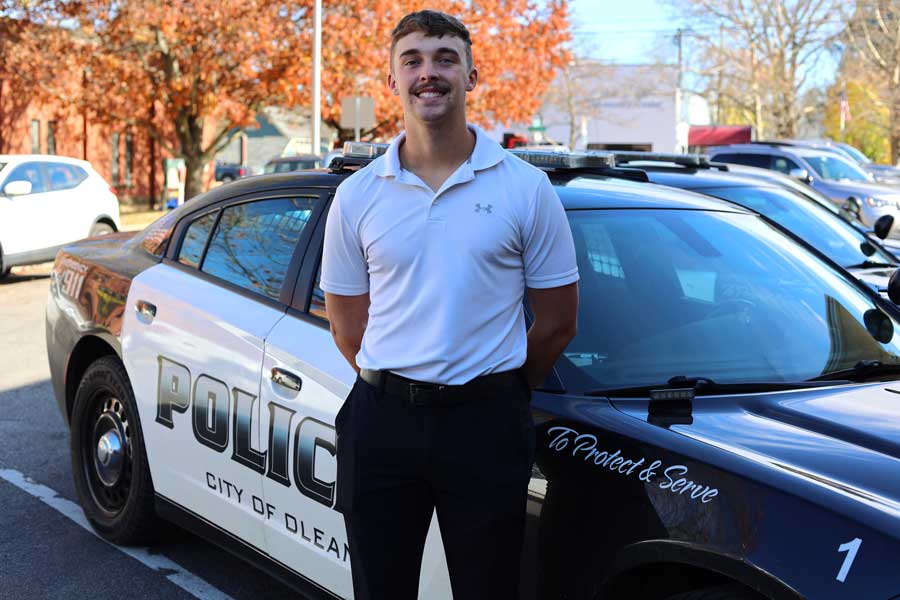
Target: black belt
<point>422,393</point>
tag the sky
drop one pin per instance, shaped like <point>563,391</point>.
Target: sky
<point>642,31</point>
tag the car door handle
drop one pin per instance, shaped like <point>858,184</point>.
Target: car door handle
<point>145,309</point>
<point>286,379</point>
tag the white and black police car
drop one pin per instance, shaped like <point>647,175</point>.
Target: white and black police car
<point>725,425</point>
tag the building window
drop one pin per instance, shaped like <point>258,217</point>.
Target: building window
<point>51,137</point>
<point>35,136</point>
<point>115,159</point>
<point>129,155</point>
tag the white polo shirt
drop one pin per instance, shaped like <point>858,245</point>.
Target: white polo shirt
<point>446,271</point>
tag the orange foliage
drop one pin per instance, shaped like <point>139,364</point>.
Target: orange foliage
<point>517,46</point>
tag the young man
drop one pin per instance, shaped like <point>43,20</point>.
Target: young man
<point>428,254</point>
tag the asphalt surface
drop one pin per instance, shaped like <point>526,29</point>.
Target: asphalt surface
<point>45,552</point>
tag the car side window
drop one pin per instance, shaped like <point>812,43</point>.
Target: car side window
<point>29,172</point>
<point>317,301</point>
<point>253,243</point>
<point>63,177</point>
<point>195,238</point>
<point>780,163</point>
<point>751,160</point>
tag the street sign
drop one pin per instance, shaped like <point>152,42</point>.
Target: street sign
<point>357,112</point>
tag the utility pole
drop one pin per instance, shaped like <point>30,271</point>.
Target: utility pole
<point>719,76</point>
<point>317,80</point>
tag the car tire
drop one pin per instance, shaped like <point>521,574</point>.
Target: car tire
<point>101,229</point>
<point>227,179</point>
<point>722,592</point>
<point>109,462</point>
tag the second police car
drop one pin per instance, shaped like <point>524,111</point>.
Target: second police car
<point>725,425</point>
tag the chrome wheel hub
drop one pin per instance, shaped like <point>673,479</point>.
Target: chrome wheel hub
<point>111,435</point>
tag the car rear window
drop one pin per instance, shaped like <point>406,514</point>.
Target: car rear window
<point>751,160</point>
<point>64,177</point>
<point>253,243</point>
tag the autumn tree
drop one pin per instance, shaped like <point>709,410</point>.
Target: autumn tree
<point>189,73</point>
<point>517,46</point>
<point>753,58</point>
<point>868,127</point>
<point>873,36</point>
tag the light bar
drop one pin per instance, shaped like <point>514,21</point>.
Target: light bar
<point>684,160</point>
<point>672,394</point>
<point>565,160</point>
<point>364,149</point>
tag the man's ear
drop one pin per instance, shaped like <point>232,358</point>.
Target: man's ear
<point>392,84</point>
<point>472,80</point>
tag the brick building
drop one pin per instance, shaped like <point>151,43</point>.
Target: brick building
<point>128,159</point>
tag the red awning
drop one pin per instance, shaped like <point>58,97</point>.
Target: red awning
<point>718,135</point>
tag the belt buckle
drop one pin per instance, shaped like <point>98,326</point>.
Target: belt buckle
<point>424,394</point>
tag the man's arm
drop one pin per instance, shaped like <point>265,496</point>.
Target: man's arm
<point>347,317</point>
<point>555,324</point>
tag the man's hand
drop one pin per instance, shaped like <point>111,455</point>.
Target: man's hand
<point>555,324</point>
<point>348,316</point>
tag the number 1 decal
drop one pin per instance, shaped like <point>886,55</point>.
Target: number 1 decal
<point>851,548</point>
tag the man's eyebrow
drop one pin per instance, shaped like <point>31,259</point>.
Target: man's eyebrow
<point>442,50</point>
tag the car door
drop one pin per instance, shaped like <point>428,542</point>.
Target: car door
<point>27,226</point>
<point>306,533</point>
<point>192,343</point>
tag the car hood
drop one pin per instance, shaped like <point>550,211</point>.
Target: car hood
<point>844,189</point>
<point>846,437</point>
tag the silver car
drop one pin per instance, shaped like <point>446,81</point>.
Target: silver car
<point>842,181</point>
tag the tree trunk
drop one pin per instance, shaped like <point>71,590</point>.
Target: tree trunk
<point>894,138</point>
<point>193,184</point>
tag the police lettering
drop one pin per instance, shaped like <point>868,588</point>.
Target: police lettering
<point>216,413</point>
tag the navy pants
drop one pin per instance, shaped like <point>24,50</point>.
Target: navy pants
<point>399,463</point>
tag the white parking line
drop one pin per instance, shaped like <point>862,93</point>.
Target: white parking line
<point>179,575</point>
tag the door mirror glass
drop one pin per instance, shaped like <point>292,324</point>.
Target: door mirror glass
<point>800,174</point>
<point>17,188</point>
<point>852,206</point>
<point>883,225</point>
<point>894,287</point>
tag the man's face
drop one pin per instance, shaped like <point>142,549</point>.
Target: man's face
<point>431,76</point>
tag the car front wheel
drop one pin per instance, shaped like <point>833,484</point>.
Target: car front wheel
<point>109,463</point>
<point>724,592</point>
<point>101,229</point>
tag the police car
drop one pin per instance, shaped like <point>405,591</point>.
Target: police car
<point>725,424</point>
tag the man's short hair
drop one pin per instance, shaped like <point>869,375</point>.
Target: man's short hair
<point>433,24</point>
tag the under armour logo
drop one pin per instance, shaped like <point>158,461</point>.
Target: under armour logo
<point>488,208</point>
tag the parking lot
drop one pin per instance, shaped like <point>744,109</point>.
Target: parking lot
<point>44,539</point>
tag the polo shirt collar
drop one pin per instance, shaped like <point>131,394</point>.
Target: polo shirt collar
<point>485,155</point>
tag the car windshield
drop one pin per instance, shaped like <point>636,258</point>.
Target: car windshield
<point>856,154</point>
<point>713,294</point>
<point>816,225</point>
<point>832,167</point>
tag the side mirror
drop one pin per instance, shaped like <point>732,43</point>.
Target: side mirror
<point>853,206</point>
<point>894,287</point>
<point>800,174</point>
<point>883,226</point>
<point>17,188</point>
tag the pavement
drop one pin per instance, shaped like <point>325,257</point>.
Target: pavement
<point>47,549</point>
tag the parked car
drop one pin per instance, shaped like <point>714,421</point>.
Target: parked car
<point>810,222</point>
<point>48,201</point>
<point>724,424</point>
<point>227,172</point>
<point>884,174</point>
<point>826,171</point>
<point>849,212</point>
<point>284,164</point>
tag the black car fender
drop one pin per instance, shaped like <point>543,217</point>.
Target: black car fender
<point>631,558</point>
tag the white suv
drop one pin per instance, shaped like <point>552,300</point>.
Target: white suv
<point>48,201</point>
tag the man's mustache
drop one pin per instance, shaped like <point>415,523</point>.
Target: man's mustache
<point>438,87</point>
